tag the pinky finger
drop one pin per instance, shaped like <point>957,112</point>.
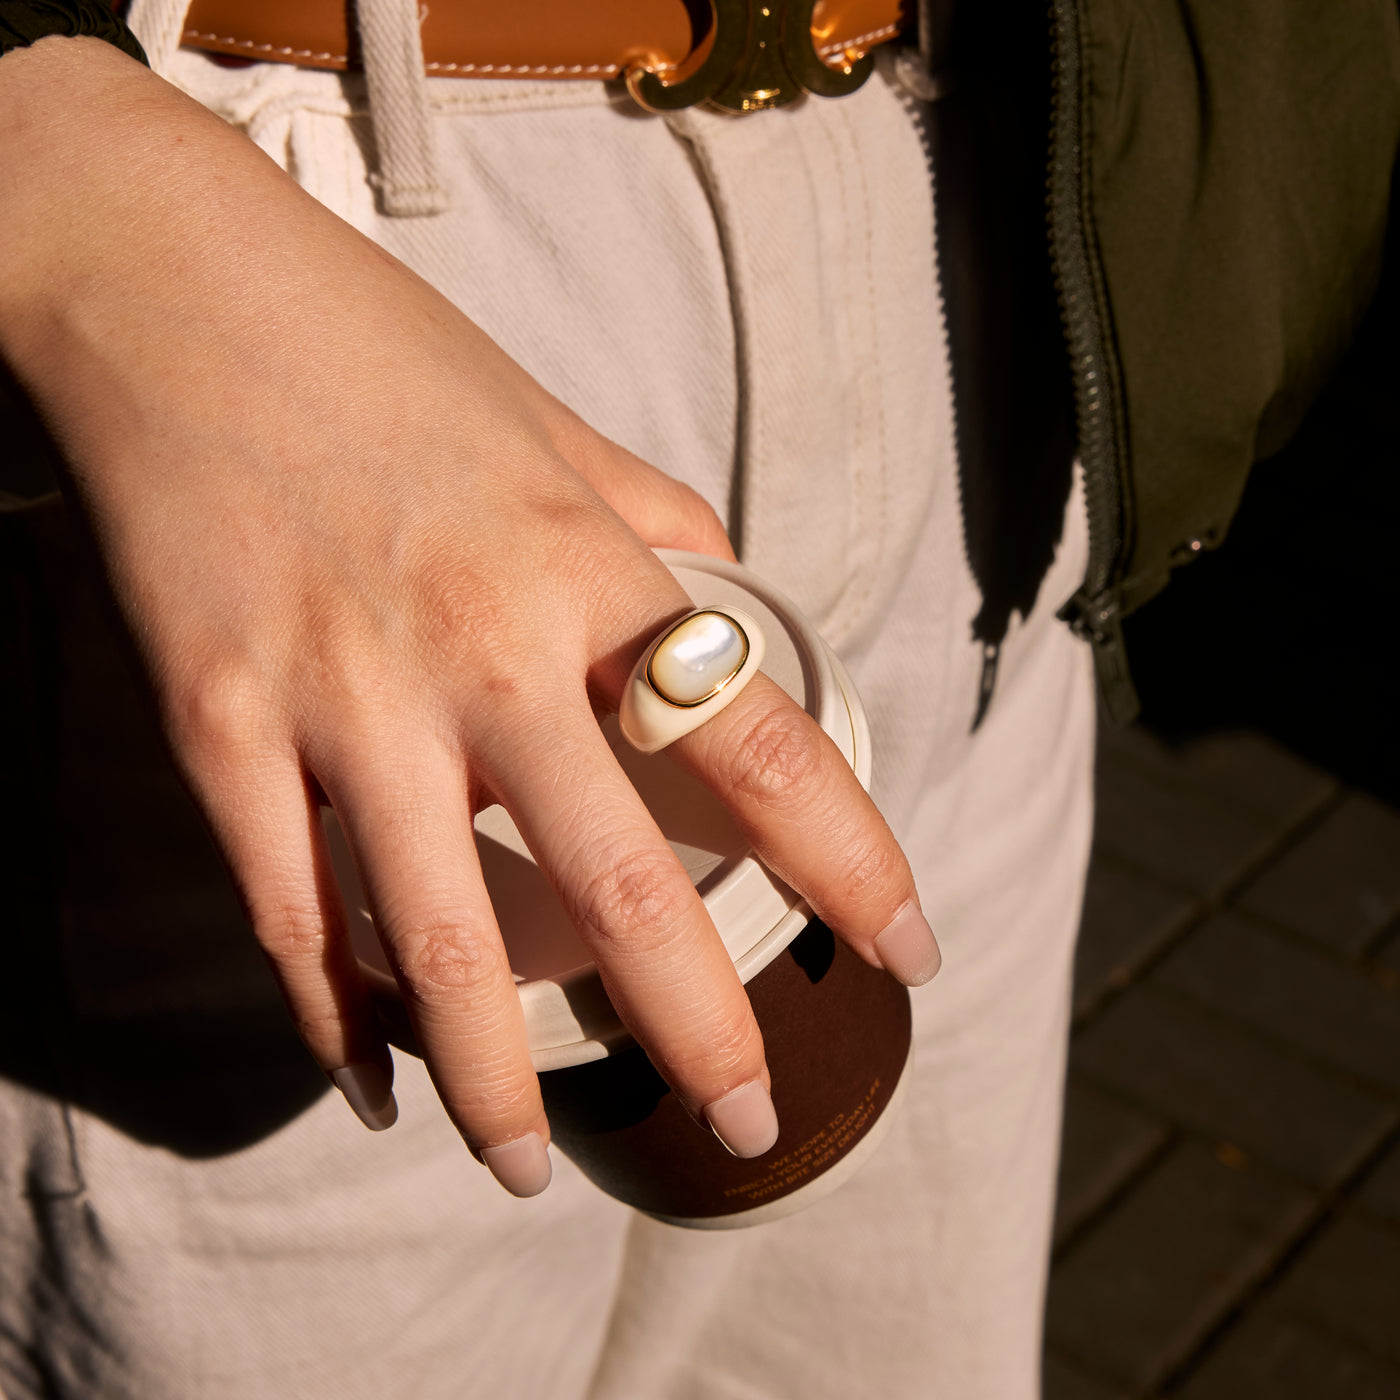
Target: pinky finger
<point>281,864</point>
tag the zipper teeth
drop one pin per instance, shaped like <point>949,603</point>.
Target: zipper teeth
<point>1078,284</point>
<point>920,110</point>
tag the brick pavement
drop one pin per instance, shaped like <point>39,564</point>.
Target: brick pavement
<point>1229,1209</point>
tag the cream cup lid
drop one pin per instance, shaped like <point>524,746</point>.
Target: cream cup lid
<point>567,1013</point>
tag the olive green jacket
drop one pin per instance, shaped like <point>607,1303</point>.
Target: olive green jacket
<point>1220,175</point>
<point>1219,181</point>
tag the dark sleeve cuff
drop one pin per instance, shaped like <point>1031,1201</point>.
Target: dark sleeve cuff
<point>24,22</point>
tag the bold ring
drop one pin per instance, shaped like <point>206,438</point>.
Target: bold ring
<point>688,675</point>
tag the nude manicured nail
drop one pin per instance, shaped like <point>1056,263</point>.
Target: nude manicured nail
<point>907,948</point>
<point>744,1120</point>
<point>522,1166</point>
<point>368,1091</point>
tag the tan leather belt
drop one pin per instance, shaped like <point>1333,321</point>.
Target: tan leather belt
<point>652,43</point>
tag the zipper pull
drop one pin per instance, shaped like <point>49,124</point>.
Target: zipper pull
<point>1099,620</point>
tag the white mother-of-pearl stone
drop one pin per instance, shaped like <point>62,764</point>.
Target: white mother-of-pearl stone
<point>701,654</point>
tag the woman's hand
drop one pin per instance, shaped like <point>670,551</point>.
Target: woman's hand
<point>367,559</point>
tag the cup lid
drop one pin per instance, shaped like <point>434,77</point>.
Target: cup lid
<point>567,1013</point>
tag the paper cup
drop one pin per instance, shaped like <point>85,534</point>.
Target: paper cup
<point>836,1031</point>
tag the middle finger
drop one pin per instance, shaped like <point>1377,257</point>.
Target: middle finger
<point>663,964</point>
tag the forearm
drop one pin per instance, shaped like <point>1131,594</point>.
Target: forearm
<point>146,242</point>
<point>86,134</point>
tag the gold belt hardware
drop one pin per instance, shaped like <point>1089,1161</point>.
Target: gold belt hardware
<point>761,53</point>
<point>733,55</point>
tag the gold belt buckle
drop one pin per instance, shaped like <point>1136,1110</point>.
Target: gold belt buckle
<point>760,55</point>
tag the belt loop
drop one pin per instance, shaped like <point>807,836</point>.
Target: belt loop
<point>927,73</point>
<point>159,25</point>
<point>391,42</point>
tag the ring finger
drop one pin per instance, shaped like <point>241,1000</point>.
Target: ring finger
<point>409,824</point>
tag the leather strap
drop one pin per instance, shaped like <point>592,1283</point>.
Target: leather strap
<point>520,39</point>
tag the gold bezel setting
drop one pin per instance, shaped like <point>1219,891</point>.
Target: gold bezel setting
<point>669,633</point>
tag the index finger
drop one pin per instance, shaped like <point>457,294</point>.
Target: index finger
<point>809,820</point>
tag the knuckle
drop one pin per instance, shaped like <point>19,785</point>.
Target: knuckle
<point>559,509</point>
<point>636,898</point>
<point>458,606</point>
<point>286,929</point>
<point>471,616</point>
<point>589,552</point>
<point>774,758</point>
<point>729,1049</point>
<point>440,959</point>
<point>497,1112</point>
<point>219,712</point>
<point>876,873</point>
<point>463,611</point>
<point>574,441</point>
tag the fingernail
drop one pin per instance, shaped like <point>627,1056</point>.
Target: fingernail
<point>908,949</point>
<point>522,1166</point>
<point>367,1090</point>
<point>744,1120</point>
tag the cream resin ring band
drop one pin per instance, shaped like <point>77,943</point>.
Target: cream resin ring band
<point>688,675</point>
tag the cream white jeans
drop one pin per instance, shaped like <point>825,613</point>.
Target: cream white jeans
<point>750,304</point>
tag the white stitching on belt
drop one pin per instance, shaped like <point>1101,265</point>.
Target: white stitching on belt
<point>538,69</point>
<point>535,70</point>
<point>265,48</point>
<point>873,36</point>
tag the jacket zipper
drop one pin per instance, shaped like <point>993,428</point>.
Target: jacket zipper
<point>1095,611</point>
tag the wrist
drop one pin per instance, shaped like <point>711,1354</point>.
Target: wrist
<point>76,133</point>
<point>127,212</point>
